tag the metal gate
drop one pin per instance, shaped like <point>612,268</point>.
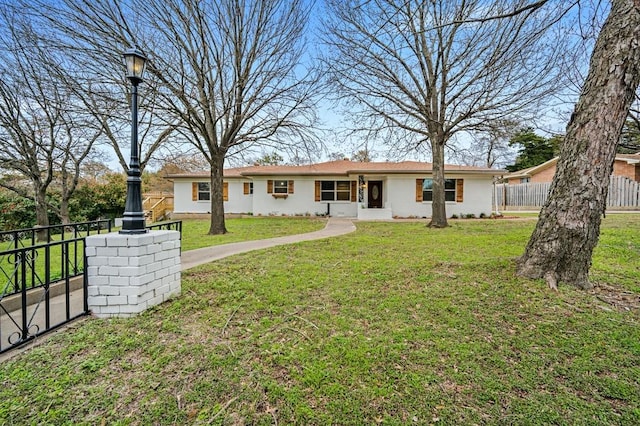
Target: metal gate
<point>42,281</point>
<point>43,285</point>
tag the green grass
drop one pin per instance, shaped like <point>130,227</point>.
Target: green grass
<point>521,214</point>
<point>194,232</point>
<point>64,255</point>
<point>394,324</point>
<point>194,235</point>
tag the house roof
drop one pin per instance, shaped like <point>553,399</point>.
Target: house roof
<point>232,172</point>
<point>344,168</point>
<point>528,172</point>
<point>629,158</point>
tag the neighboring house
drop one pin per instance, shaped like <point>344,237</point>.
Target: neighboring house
<point>625,165</point>
<point>364,190</point>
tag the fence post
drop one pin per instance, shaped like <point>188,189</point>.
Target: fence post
<point>128,273</point>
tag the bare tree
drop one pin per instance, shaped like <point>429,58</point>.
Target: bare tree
<point>231,73</point>
<point>489,148</point>
<point>422,72</point>
<point>181,162</point>
<point>93,170</point>
<point>79,140</point>
<point>26,147</point>
<point>562,244</point>
<point>363,156</point>
<point>234,76</point>
<point>336,156</point>
<point>108,105</point>
<point>92,36</point>
<point>42,136</point>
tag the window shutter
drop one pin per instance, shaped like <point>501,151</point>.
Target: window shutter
<point>419,190</point>
<point>225,191</point>
<point>317,192</point>
<point>354,191</point>
<point>245,188</point>
<point>269,187</point>
<point>194,191</point>
<point>459,190</point>
<point>290,187</point>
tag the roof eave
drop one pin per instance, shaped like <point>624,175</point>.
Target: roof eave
<point>379,172</point>
<point>245,174</point>
<point>446,171</point>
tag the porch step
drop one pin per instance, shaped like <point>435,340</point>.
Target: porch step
<point>375,214</point>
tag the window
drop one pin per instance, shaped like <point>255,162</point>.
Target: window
<point>201,191</point>
<point>280,187</point>
<point>335,190</point>
<point>449,190</point>
<point>338,190</point>
<point>525,180</point>
<point>204,193</point>
<point>248,188</point>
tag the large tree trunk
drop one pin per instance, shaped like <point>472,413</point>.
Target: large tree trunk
<point>64,198</point>
<point>438,204</point>
<point>42,215</point>
<point>217,226</point>
<point>562,244</point>
<point>65,218</point>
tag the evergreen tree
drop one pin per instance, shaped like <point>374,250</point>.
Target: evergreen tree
<point>534,149</point>
<point>629,138</point>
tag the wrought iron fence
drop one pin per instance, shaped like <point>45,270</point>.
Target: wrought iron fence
<point>42,280</point>
<point>45,234</point>
<point>40,269</point>
<point>38,288</point>
<point>174,225</point>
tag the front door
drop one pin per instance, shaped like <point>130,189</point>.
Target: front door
<point>375,194</point>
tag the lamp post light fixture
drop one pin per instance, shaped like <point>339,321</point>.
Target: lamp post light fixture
<point>133,219</point>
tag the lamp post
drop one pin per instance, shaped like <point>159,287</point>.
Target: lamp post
<point>133,218</point>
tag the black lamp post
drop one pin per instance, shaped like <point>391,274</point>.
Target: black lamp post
<point>133,218</point>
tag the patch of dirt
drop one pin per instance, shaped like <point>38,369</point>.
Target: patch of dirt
<point>619,299</point>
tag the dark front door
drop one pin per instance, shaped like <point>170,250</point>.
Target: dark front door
<point>375,194</point>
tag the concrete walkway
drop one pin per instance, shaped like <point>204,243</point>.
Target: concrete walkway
<point>335,226</point>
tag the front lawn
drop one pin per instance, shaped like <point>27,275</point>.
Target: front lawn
<point>394,324</point>
<point>194,231</point>
<point>194,235</point>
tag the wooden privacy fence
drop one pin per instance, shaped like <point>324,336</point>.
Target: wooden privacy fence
<point>624,194</point>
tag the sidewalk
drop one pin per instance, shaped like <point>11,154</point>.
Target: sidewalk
<point>335,226</point>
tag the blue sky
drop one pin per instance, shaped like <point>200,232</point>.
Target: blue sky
<point>554,121</point>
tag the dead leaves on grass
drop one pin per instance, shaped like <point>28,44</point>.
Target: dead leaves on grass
<point>619,299</point>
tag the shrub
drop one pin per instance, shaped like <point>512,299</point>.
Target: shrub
<point>18,212</point>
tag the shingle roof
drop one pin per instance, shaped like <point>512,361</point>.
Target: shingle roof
<point>232,172</point>
<point>343,167</point>
<point>532,170</point>
<point>633,157</point>
<point>528,172</point>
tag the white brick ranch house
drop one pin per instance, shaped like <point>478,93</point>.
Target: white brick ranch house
<point>363,190</point>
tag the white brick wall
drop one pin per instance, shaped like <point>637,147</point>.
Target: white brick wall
<point>129,273</point>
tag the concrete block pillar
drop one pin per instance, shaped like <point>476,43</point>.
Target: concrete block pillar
<point>129,273</point>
